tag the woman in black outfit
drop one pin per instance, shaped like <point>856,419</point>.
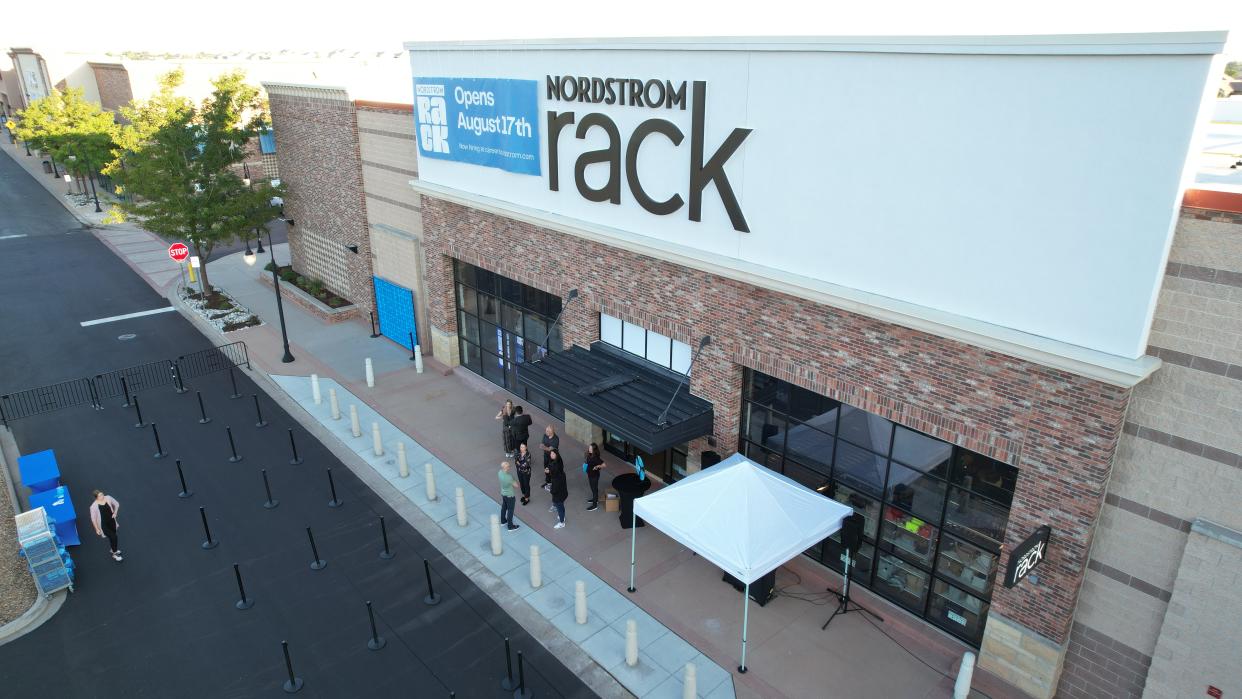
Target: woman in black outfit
<point>560,489</point>
<point>523,471</point>
<point>506,422</point>
<point>594,464</point>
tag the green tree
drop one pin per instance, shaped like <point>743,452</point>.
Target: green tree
<point>72,129</point>
<point>177,164</point>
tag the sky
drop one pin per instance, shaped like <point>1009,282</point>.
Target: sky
<point>149,25</point>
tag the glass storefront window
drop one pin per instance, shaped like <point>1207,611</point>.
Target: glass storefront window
<point>958,612</point>
<point>911,536</point>
<point>970,566</point>
<point>502,324</point>
<point>936,513</point>
<point>860,469</point>
<point>915,492</point>
<point>901,582</point>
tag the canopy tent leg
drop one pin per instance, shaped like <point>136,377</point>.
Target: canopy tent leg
<point>745,622</point>
<point>633,532</point>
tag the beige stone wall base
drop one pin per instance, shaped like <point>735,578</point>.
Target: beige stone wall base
<point>445,348</point>
<point>1021,657</point>
<point>582,430</point>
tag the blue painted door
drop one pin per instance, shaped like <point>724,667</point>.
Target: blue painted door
<point>395,311</point>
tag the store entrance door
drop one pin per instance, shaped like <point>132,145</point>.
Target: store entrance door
<point>668,465</point>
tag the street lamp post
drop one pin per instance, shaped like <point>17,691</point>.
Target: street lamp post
<point>91,177</point>
<point>280,307</point>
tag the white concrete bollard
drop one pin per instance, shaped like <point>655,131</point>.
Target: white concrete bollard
<point>377,444</point>
<point>631,642</point>
<point>336,407</point>
<point>965,673</point>
<point>461,508</point>
<point>536,569</point>
<point>315,389</point>
<point>580,607</point>
<point>430,477</point>
<point>497,547</point>
<point>689,682</point>
<point>402,467</point>
<point>418,358</point>
<point>353,420</point>
<point>370,374</point>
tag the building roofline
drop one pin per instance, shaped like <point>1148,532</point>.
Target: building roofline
<point>1199,42</point>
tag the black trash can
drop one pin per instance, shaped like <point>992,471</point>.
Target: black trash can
<point>47,166</point>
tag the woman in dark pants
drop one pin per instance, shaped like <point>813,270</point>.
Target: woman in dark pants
<point>594,464</point>
<point>560,489</point>
<point>523,471</point>
<point>506,433</point>
<point>103,515</point>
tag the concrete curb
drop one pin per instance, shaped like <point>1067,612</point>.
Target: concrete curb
<point>566,651</point>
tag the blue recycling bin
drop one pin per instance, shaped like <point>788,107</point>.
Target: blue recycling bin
<point>59,507</point>
<point>39,470</point>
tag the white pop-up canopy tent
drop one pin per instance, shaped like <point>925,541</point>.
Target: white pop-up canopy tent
<point>744,518</point>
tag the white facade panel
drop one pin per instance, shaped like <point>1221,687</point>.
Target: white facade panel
<point>1028,191</point>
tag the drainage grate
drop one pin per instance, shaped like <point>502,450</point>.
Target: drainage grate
<point>126,337</point>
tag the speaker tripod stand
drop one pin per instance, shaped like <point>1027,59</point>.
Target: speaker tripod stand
<point>845,605</point>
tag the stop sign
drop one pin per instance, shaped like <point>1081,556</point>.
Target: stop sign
<point>178,251</point>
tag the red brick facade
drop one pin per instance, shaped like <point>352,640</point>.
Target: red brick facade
<point>1059,429</point>
<point>112,79</point>
<point>317,152</point>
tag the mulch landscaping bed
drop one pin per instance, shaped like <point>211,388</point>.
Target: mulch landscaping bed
<point>310,285</point>
<point>17,588</point>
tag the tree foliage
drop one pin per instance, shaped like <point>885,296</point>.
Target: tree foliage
<point>177,163</point>
<point>72,129</point>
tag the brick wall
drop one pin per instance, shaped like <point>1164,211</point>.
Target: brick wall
<point>112,80</point>
<point>317,153</point>
<point>1180,458</point>
<point>1061,430</point>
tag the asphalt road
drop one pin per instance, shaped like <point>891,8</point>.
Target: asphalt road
<point>163,623</point>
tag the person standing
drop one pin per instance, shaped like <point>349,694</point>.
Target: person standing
<point>551,440</point>
<point>523,471</point>
<point>520,425</point>
<point>506,427</point>
<point>560,489</point>
<point>506,496</point>
<point>103,515</point>
<point>594,464</point>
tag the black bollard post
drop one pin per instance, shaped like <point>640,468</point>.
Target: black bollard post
<point>294,448</point>
<point>522,692</point>
<point>203,420</point>
<point>232,447</point>
<point>185,492</point>
<point>294,683</point>
<point>233,379</point>
<point>159,450</point>
<point>373,333</point>
<point>138,408</point>
<point>376,641</point>
<point>318,563</point>
<point>208,543</point>
<point>506,682</point>
<point>258,411</point>
<point>267,488</point>
<point>243,602</point>
<point>335,501</point>
<point>412,356</point>
<point>125,390</point>
<point>386,553</point>
<point>176,370</point>
<point>432,598</point>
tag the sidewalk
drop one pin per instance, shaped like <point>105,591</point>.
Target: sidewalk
<point>689,612</point>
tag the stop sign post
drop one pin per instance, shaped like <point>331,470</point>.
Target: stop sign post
<point>178,252</point>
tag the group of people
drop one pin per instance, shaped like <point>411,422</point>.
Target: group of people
<point>515,434</point>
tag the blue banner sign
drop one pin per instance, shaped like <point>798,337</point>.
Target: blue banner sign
<point>483,121</point>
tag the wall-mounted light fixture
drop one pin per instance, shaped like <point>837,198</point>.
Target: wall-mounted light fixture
<point>352,248</point>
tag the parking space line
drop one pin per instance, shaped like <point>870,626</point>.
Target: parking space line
<point>127,316</point>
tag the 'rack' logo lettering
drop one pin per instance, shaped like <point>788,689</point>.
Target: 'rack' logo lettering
<point>432,118</point>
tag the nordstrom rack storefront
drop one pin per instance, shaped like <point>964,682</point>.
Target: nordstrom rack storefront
<point>922,296</point>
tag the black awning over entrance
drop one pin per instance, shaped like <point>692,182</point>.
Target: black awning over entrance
<point>621,394</point>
